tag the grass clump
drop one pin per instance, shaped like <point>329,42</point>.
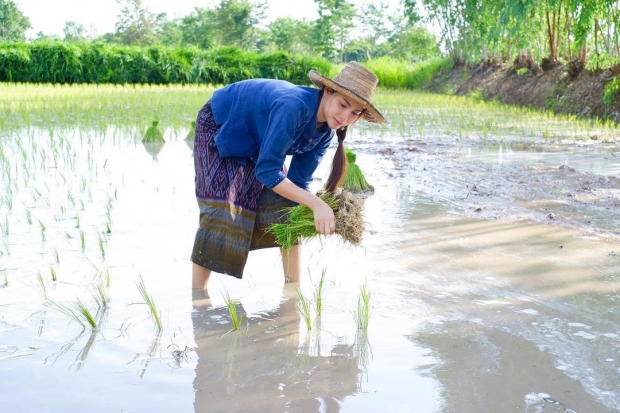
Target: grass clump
<point>300,220</point>
<point>153,134</point>
<point>354,179</point>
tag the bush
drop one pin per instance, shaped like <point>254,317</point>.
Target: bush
<point>58,62</point>
<point>395,74</point>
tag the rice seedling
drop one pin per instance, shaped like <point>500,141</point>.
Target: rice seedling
<point>148,300</point>
<point>362,313</point>
<point>54,274</point>
<point>56,256</point>
<point>236,319</point>
<point>300,220</point>
<point>83,239</point>
<point>77,311</point>
<point>100,295</point>
<point>318,295</point>
<point>303,305</point>
<point>5,227</point>
<point>42,229</point>
<point>6,279</point>
<point>84,313</point>
<point>102,246</point>
<point>153,134</point>
<point>42,285</point>
<point>354,179</point>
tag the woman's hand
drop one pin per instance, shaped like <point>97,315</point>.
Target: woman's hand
<point>324,219</point>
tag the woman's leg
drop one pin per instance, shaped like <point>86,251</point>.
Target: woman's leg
<point>200,276</point>
<point>291,262</point>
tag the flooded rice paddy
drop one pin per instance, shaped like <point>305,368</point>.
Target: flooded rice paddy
<point>491,257</point>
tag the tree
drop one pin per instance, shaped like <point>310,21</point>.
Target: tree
<point>414,43</point>
<point>333,27</point>
<point>74,32</point>
<point>290,35</point>
<point>236,20</point>
<point>136,25</point>
<point>13,23</point>
<point>377,27</point>
<point>198,28</point>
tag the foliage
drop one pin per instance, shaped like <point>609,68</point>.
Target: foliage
<point>60,62</point>
<point>13,23</point>
<point>332,28</point>
<point>136,25</point>
<point>473,30</point>
<point>395,73</point>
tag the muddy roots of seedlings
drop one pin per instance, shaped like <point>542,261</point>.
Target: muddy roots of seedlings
<point>349,220</point>
<point>347,208</point>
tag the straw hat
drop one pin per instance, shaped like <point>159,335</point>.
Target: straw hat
<point>356,82</point>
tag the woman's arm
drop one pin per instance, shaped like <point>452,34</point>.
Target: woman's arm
<point>324,219</point>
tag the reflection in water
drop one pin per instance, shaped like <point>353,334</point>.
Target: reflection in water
<point>144,359</point>
<point>153,148</point>
<point>80,360</point>
<point>267,366</point>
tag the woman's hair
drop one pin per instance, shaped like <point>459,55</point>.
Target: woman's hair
<point>339,163</point>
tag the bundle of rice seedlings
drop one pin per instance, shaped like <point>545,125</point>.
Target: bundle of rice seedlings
<point>192,132</point>
<point>354,179</point>
<point>153,134</point>
<point>300,221</point>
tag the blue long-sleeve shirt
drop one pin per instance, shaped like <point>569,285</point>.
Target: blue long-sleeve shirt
<point>264,120</point>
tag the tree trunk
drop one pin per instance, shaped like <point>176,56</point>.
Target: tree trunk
<point>583,55</point>
<point>553,57</point>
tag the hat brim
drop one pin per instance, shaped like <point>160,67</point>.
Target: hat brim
<point>371,114</point>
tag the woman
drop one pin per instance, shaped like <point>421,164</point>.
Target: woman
<point>243,135</point>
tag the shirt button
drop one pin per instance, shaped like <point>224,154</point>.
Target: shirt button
<point>310,140</point>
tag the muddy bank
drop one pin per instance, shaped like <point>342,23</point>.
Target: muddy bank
<point>552,89</point>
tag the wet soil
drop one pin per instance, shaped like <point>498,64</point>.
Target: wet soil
<point>549,192</point>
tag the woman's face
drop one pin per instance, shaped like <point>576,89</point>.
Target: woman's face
<point>338,110</point>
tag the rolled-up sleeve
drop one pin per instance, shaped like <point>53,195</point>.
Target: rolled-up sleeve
<point>285,118</point>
